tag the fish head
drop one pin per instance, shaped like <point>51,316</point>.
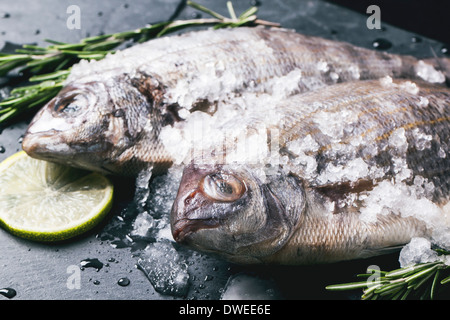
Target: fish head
<point>228,211</point>
<point>87,125</point>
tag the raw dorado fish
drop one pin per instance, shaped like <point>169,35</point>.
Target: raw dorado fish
<point>353,170</point>
<point>109,115</point>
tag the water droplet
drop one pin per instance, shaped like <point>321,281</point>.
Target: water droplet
<point>255,3</point>
<point>416,39</point>
<point>2,149</point>
<point>96,282</point>
<point>6,15</point>
<point>119,113</point>
<point>208,278</point>
<point>123,282</point>
<point>8,292</point>
<point>91,263</point>
<point>445,50</point>
<point>99,13</point>
<point>381,44</point>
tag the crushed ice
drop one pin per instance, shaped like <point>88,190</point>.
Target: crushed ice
<point>165,269</point>
<point>144,227</point>
<point>420,250</point>
<point>241,125</point>
<point>417,251</point>
<point>247,287</point>
<point>428,73</point>
<point>399,198</point>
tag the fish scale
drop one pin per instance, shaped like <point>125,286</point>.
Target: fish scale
<point>169,78</point>
<point>371,105</point>
<point>357,180</point>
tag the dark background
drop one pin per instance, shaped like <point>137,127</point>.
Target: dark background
<point>39,271</point>
<point>428,18</point>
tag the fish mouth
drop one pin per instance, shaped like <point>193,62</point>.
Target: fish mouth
<point>44,144</point>
<point>49,146</point>
<point>187,219</point>
<point>187,214</point>
<point>183,229</point>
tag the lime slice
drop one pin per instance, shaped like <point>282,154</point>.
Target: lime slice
<point>45,201</point>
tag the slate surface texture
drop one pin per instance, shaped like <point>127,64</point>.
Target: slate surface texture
<point>41,271</point>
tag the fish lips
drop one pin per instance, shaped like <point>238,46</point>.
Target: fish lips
<point>44,145</point>
<point>51,146</point>
<point>44,138</point>
<point>189,211</point>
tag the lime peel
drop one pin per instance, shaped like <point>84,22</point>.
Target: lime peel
<point>43,201</point>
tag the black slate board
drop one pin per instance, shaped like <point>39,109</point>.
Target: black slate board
<point>42,271</point>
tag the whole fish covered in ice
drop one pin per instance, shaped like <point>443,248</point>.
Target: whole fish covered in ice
<point>362,168</point>
<point>109,115</point>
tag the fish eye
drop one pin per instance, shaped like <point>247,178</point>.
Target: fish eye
<point>71,105</point>
<point>222,187</point>
<point>68,108</point>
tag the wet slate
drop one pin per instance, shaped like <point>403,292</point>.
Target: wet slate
<point>53,271</point>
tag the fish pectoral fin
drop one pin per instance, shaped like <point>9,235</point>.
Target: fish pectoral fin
<point>338,192</point>
<point>367,253</point>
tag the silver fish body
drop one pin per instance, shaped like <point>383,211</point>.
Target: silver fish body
<point>110,113</point>
<point>364,167</point>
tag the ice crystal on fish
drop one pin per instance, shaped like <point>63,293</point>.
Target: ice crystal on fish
<point>428,72</point>
<point>418,250</point>
<point>238,131</point>
<point>282,87</point>
<point>386,81</point>
<point>302,145</point>
<point>332,124</point>
<point>422,141</point>
<point>399,198</point>
<point>424,101</point>
<point>352,171</point>
<point>322,66</point>
<point>410,87</point>
<point>354,71</point>
<point>398,140</point>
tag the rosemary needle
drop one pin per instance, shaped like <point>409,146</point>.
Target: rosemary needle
<point>421,280</point>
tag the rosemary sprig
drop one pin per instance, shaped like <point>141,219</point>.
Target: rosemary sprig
<point>44,69</point>
<point>418,281</point>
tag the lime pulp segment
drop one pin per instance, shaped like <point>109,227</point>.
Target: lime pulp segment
<point>44,201</point>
